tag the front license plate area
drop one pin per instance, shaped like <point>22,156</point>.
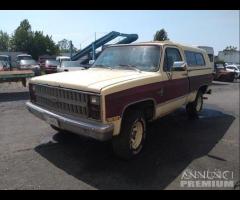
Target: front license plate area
<point>52,121</point>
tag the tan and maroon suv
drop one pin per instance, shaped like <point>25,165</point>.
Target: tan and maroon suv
<point>127,86</point>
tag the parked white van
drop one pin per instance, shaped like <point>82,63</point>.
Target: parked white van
<point>62,58</point>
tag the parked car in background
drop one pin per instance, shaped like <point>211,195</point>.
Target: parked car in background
<point>69,66</point>
<point>23,57</point>
<point>126,87</point>
<point>221,74</point>
<point>42,59</point>
<point>6,59</point>
<point>51,66</point>
<point>30,64</point>
<point>3,65</point>
<point>62,58</point>
<point>235,69</point>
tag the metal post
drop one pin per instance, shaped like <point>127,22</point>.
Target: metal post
<point>93,47</point>
<point>93,51</point>
<point>71,48</point>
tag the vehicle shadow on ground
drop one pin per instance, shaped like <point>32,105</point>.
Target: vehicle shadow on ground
<point>14,96</point>
<point>173,143</point>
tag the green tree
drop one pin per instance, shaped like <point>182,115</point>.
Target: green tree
<point>42,45</point>
<point>34,43</point>
<point>22,38</point>
<point>64,46</point>
<point>51,47</point>
<point>161,35</point>
<point>230,48</point>
<point>4,41</point>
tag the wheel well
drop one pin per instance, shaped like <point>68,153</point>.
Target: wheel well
<point>148,108</point>
<point>203,89</point>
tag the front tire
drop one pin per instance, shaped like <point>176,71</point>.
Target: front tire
<point>194,108</point>
<point>130,141</point>
<point>57,129</point>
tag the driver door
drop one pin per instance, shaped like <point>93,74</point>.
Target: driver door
<point>175,83</point>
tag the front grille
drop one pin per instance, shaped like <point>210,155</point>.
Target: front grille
<point>62,100</point>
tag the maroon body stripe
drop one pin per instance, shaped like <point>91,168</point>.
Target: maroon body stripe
<point>116,102</point>
<point>197,81</point>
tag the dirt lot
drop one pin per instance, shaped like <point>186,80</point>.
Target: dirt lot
<point>34,156</point>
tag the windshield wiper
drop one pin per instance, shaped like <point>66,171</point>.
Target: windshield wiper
<point>103,66</point>
<point>134,67</point>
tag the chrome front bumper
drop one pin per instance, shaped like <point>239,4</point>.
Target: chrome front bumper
<point>83,127</point>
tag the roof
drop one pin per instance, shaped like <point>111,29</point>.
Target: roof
<point>23,55</point>
<point>62,57</point>
<point>166,42</point>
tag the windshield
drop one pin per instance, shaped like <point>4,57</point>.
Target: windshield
<point>24,57</point>
<point>144,58</point>
<point>3,63</point>
<point>70,64</point>
<point>28,62</point>
<point>52,62</point>
<point>4,58</point>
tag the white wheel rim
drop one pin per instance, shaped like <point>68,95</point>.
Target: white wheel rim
<point>199,103</point>
<point>136,135</point>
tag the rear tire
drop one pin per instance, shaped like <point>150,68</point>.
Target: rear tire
<point>194,108</point>
<point>130,140</point>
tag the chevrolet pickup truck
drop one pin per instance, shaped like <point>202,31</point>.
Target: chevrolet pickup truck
<point>126,87</point>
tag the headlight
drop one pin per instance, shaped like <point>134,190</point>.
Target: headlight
<point>32,91</point>
<point>33,88</point>
<point>95,100</point>
<point>94,107</point>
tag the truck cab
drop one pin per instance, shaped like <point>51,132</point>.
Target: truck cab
<point>126,87</point>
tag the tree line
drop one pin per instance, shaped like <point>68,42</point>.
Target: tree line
<point>34,43</point>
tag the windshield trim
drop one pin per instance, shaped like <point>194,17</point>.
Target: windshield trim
<point>156,45</point>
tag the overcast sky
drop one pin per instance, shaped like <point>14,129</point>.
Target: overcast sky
<point>211,28</point>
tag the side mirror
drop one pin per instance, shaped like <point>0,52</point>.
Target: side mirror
<point>179,66</point>
<point>91,62</point>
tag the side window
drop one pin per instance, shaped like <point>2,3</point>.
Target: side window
<point>194,59</point>
<point>200,59</point>
<point>171,55</point>
<point>190,58</point>
<point>210,57</point>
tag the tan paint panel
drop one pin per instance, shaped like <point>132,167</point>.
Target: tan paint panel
<point>169,106</point>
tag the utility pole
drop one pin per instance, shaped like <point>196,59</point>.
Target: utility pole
<point>71,49</point>
<point>93,47</point>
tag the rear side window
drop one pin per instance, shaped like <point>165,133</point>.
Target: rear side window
<point>194,58</point>
<point>200,59</point>
<point>210,57</point>
<point>190,57</point>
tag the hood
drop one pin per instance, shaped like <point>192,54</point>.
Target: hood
<point>92,80</point>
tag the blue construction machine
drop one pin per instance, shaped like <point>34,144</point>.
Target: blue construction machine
<point>89,52</point>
